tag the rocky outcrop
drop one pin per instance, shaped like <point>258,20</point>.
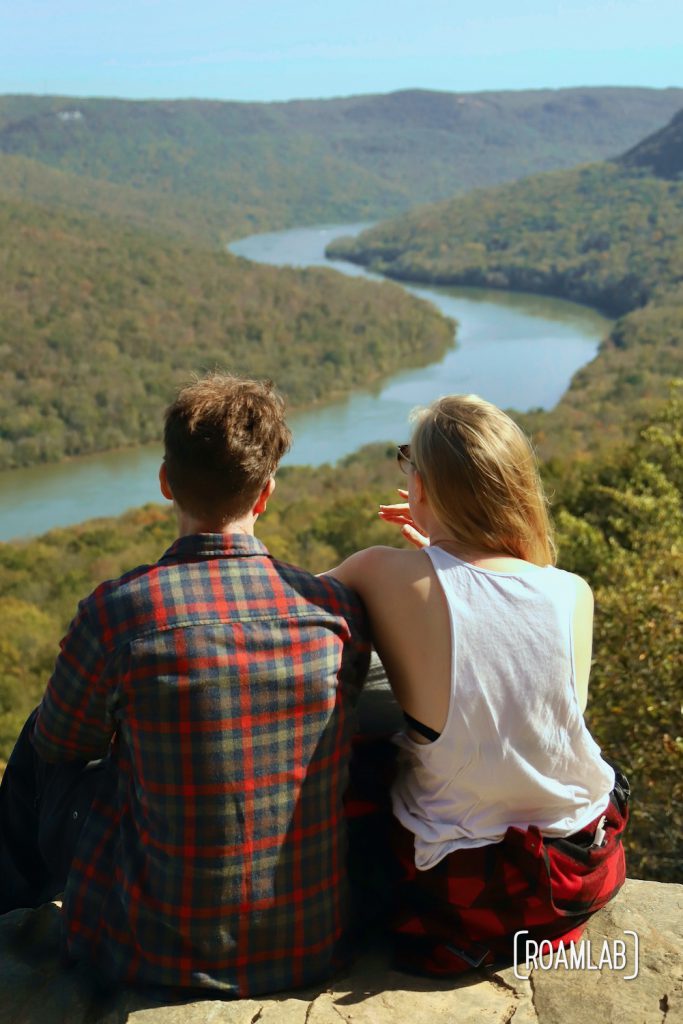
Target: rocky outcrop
<point>35,989</point>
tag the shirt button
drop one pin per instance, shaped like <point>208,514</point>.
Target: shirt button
<point>75,815</point>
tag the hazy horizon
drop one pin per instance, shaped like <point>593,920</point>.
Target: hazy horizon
<point>336,96</point>
<point>277,52</point>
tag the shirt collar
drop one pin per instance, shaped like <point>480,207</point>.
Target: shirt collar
<point>198,546</point>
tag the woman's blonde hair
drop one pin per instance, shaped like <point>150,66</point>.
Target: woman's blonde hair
<point>481,478</point>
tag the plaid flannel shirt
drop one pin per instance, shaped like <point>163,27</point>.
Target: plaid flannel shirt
<point>217,684</point>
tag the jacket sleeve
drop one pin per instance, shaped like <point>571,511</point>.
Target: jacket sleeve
<point>75,718</point>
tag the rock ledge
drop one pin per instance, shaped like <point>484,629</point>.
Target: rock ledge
<point>34,989</point>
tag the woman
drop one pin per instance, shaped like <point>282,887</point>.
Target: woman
<point>506,818</point>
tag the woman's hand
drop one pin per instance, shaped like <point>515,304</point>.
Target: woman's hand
<point>400,514</point>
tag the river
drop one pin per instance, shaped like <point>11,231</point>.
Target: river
<point>516,350</point>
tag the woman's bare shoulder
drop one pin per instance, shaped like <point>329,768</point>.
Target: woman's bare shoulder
<point>371,567</point>
<point>584,594</point>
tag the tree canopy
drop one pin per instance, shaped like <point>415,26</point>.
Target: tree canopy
<point>99,324</point>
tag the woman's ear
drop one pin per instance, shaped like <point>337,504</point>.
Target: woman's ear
<point>163,482</point>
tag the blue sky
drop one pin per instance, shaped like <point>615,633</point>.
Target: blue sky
<point>284,49</point>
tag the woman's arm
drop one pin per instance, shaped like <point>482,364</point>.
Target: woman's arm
<point>356,571</point>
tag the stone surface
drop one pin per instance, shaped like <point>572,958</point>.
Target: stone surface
<point>655,913</point>
<point>35,989</point>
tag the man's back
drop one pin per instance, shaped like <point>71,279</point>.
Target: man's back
<point>214,856</point>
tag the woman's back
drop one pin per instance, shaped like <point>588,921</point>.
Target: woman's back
<point>513,749</point>
<point>410,627</point>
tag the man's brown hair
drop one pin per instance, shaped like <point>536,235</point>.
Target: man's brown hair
<point>223,437</point>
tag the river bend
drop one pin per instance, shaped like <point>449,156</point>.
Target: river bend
<point>516,350</point>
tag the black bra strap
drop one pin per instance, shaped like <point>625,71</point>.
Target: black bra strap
<point>424,730</point>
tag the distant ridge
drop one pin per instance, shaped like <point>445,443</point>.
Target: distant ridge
<point>661,153</point>
<point>260,166</point>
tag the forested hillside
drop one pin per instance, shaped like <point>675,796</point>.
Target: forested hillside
<point>184,218</point>
<point>619,519</point>
<point>248,166</point>
<point>593,234</point>
<point>661,153</point>
<point>99,324</point>
<point>608,235</point>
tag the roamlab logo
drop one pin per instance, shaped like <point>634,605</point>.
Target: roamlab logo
<point>620,955</point>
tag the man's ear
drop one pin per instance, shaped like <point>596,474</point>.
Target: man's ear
<point>163,482</point>
<point>262,500</point>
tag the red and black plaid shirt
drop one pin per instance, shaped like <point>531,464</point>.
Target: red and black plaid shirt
<point>218,684</point>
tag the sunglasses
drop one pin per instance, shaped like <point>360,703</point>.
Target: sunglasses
<point>403,457</point>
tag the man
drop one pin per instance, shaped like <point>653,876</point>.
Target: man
<point>216,688</point>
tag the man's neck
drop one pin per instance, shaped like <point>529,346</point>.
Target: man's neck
<point>188,525</point>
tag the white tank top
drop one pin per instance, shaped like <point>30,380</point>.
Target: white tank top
<point>515,749</point>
